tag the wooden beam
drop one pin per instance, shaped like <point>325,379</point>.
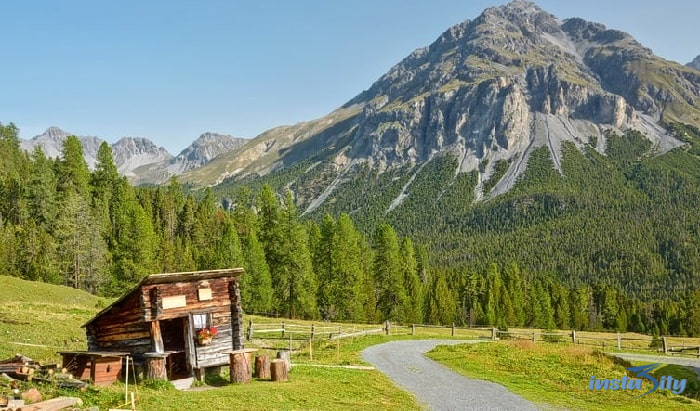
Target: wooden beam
<point>157,337</point>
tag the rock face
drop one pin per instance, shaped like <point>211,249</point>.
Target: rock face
<point>695,63</point>
<point>204,149</point>
<point>51,141</point>
<point>493,88</point>
<point>130,153</point>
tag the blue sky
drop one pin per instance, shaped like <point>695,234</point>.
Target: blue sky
<point>171,70</point>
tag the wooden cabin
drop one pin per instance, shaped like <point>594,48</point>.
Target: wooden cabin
<point>163,315</point>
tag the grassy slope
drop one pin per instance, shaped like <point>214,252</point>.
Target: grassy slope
<point>48,317</point>
<point>555,375</point>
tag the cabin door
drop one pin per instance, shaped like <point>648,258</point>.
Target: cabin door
<point>175,343</point>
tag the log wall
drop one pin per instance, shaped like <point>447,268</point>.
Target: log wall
<point>126,326</point>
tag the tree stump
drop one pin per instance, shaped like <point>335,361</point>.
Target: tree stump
<point>155,366</point>
<point>240,366</point>
<point>278,370</point>
<point>262,367</point>
<point>285,355</point>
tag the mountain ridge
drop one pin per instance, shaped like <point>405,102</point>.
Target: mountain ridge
<point>138,158</point>
<point>489,91</point>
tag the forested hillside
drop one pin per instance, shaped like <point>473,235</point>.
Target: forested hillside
<point>609,243</point>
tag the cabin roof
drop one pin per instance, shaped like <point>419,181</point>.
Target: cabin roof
<point>169,278</point>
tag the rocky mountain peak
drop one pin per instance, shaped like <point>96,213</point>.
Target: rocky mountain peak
<point>491,90</point>
<point>54,133</point>
<point>695,63</point>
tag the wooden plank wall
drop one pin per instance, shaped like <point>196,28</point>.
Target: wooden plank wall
<point>126,327</point>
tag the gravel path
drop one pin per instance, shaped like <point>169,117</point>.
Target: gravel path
<point>436,385</point>
<point>663,359</point>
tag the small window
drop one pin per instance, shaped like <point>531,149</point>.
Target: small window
<point>201,321</point>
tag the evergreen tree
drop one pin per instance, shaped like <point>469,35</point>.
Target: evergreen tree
<point>134,242</point>
<point>72,170</point>
<point>41,191</point>
<point>347,282</point>
<point>257,290</point>
<point>81,250</point>
<point>322,263</point>
<point>412,283</point>
<point>441,301</point>
<point>388,274</point>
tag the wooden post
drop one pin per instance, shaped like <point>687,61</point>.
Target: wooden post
<point>237,326</point>
<point>494,334</point>
<point>387,327</point>
<point>619,342</point>
<point>240,366</point>
<point>262,367</point>
<point>286,357</point>
<point>663,341</point>
<point>311,350</point>
<point>453,329</point>
<point>156,337</point>
<point>249,336</point>
<point>282,329</point>
<point>156,303</point>
<point>573,336</point>
<point>312,331</point>
<point>155,366</point>
<point>278,370</point>
<point>533,336</point>
<point>413,329</point>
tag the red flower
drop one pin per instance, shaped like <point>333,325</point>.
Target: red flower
<point>207,333</point>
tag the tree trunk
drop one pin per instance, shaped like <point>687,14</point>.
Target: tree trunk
<point>262,367</point>
<point>285,355</point>
<point>240,367</point>
<point>155,368</point>
<point>278,370</point>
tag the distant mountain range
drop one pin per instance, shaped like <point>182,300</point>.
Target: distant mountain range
<point>139,158</point>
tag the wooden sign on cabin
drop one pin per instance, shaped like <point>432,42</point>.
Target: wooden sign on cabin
<point>165,315</point>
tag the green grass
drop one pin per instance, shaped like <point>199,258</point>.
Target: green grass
<point>554,375</point>
<point>38,319</point>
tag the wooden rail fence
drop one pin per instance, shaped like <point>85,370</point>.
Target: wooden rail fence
<point>288,330</point>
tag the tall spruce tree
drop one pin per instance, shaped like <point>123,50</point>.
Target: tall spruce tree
<point>388,274</point>
<point>412,283</point>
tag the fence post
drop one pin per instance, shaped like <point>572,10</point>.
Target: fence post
<point>663,341</point>
<point>493,334</point>
<point>619,342</point>
<point>573,336</point>
<point>387,327</point>
<point>453,329</point>
<point>413,329</point>
<point>533,336</point>
<point>312,331</point>
<point>250,330</point>
<point>282,329</point>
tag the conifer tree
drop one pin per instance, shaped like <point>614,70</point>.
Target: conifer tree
<point>41,191</point>
<point>72,170</point>
<point>391,294</point>
<point>347,273</point>
<point>414,288</point>
<point>257,288</point>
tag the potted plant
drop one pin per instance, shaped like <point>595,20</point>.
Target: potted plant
<point>205,335</point>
